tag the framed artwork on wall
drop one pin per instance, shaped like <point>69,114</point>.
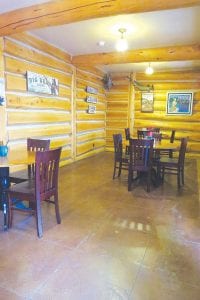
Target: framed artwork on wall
<point>179,103</point>
<point>147,102</point>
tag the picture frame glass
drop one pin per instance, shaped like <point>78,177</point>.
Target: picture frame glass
<point>179,103</point>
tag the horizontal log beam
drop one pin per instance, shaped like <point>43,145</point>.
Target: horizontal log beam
<point>64,12</point>
<point>173,53</point>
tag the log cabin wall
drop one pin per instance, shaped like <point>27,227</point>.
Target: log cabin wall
<point>62,119</point>
<point>117,116</point>
<point>185,126</point>
<point>37,115</point>
<point>90,128</point>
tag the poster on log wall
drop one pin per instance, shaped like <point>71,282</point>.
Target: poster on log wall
<point>39,83</point>
<point>179,103</point>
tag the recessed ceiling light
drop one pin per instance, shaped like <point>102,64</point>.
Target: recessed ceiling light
<point>101,43</point>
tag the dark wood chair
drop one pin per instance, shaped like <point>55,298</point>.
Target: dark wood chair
<point>120,159</point>
<point>174,166</point>
<point>127,134</point>
<point>32,145</point>
<point>157,136</point>
<point>43,187</point>
<point>141,160</point>
<point>142,134</point>
<point>169,152</point>
<point>153,129</point>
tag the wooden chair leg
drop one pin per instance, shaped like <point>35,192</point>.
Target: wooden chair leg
<point>58,218</point>
<point>114,171</point>
<point>178,179</point>
<point>39,219</point>
<point>120,169</point>
<point>182,175</point>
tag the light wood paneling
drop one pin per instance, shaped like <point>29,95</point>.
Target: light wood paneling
<point>89,124</point>
<point>33,114</point>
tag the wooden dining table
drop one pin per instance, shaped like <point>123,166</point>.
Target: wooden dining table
<point>13,158</point>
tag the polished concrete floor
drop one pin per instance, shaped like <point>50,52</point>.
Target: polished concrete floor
<point>112,244</point>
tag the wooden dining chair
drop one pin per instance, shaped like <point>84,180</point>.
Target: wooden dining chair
<point>43,187</point>
<point>32,145</point>
<point>141,134</point>
<point>174,166</point>
<point>141,160</point>
<point>168,152</point>
<point>120,159</point>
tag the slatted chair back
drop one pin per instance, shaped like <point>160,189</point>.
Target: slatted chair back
<point>120,159</point>
<point>141,159</point>
<point>127,133</point>
<point>182,151</point>
<point>44,187</point>
<point>157,136</point>
<point>141,134</point>
<point>36,145</point>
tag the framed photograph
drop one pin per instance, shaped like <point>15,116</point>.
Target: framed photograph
<point>147,102</point>
<point>179,103</point>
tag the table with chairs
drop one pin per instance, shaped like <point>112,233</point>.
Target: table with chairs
<point>40,185</point>
<point>150,155</point>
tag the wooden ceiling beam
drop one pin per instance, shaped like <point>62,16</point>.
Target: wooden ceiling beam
<point>173,53</point>
<point>65,12</point>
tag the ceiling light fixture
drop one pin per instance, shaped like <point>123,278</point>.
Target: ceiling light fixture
<point>149,70</point>
<point>122,44</point>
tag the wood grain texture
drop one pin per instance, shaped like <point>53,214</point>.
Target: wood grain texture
<point>33,55</point>
<point>170,53</point>
<point>43,46</point>
<point>63,12</point>
<point>20,66</point>
<point>32,117</point>
<point>39,102</point>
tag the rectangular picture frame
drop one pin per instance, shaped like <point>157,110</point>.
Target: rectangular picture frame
<point>147,102</point>
<point>179,103</point>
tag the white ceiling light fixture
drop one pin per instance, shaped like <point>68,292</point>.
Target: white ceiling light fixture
<point>122,44</point>
<point>149,70</point>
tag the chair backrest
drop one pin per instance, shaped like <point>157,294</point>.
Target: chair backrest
<point>118,147</point>
<point>36,145</point>
<point>46,173</point>
<point>154,129</point>
<point>157,136</point>
<point>172,137</point>
<point>141,134</point>
<point>127,133</point>
<point>182,151</point>
<point>141,154</point>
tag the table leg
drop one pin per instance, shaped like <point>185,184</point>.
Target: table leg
<point>4,184</point>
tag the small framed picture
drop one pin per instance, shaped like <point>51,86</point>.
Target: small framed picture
<point>147,102</point>
<point>179,103</point>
